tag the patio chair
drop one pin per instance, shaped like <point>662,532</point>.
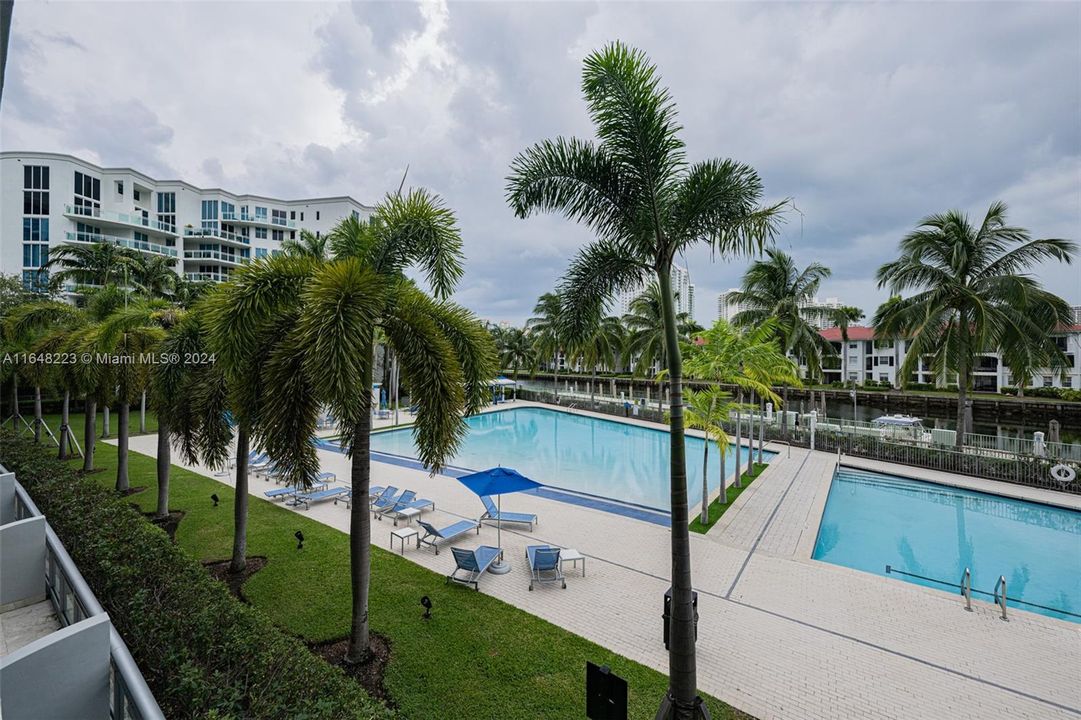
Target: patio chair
<point>285,492</point>
<point>373,492</point>
<point>544,565</point>
<point>473,563</point>
<point>405,498</point>
<point>306,499</point>
<point>493,513</point>
<point>432,536</point>
<point>409,509</point>
<point>386,499</point>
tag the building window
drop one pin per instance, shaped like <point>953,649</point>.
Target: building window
<point>278,217</point>
<point>301,216</point>
<point>356,215</point>
<point>36,177</point>
<point>260,233</point>
<point>167,211</point>
<point>120,188</point>
<point>277,235</point>
<point>228,211</point>
<point>260,253</point>
<point>260,214</point>
<point>87,194</point>
<point>316,214</point>
<point>292,234</point>
<point>210,216</point>
<point>292,214</point>
<point>136,195</point>
<point>1048,381</point>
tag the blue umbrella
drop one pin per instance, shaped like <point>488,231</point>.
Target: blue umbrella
<point>496,481</point>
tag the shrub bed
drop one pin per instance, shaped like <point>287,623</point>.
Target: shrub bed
<point>203,653</point>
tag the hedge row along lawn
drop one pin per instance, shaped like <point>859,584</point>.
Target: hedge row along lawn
<point>478,657</point>
<point>716,509</point>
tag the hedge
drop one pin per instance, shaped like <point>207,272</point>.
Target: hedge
<point>203,652</point>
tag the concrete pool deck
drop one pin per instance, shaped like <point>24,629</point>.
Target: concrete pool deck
<point>780,635</point>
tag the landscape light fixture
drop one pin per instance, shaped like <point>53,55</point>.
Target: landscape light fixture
<point>300,539</point>
<point>214,497</point>
<point>426,602</point>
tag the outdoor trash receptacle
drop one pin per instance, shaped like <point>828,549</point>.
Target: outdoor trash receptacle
<point>668,614</point>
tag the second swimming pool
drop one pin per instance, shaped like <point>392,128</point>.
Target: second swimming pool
<point>577,452</point>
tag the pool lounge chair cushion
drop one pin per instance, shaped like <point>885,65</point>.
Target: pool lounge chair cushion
<point>432,536</point>
<point>285,492</point>
<point>387,498</point>
<point>473,564</point>
<point>544,565</point>
<point>399,510</point>
<point>492,513</point>
<point>306,499</point>
<point>385,506</point>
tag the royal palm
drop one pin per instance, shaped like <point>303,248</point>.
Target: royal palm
<point>646,203</point>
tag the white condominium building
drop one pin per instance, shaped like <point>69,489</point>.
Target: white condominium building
<point>681,286</point>
<point>728,308</point>
<point>47,199</point>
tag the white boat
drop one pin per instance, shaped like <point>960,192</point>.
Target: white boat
<point>898,421</point>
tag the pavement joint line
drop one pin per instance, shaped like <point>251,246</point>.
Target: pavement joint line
<point>765,527</point>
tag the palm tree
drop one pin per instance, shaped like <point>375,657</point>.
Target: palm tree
<point>635,189</point>
<point>971,292</point>
<point>97,264</point>
<point>188,292</point>
<point>843,317</point>
<point>602,347</point>
<point>294,334</point>
<point>546,331</point>
<point>309,245</point>
<point>515,349</point>
<point>155,276</point>
<point>645,346</point>
<point>706,410</point>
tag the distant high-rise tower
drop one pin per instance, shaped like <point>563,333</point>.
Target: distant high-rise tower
<point>681,287</point>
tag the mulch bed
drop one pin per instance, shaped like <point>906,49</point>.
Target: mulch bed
<point>369,674</point>
<point>219,570</point>
<point>132,490</point>
<point>169,523</point>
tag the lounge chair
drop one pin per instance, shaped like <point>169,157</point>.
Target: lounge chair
<point>373,492</point>
<point>432,536</point>
<point>285,492</point>
<point>386,499</point>
<point>406,510</point>
<point>473,563</point>
<point>262,462</point>
<point>386,506</point>
<point>306,499</point>
<point>544,565</point>
<point>493,513</point>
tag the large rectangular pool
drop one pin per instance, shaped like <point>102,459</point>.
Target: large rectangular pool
<point>931,533</point>
<point>585,454</point>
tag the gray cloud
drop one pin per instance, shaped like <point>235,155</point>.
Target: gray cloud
<point>869,116</point>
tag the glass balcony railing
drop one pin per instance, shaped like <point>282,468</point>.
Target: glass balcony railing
<point>221,234</point>
<point>206,277</point>
<point>243,217</point>
<point>91,238</point>
<point>214,255</point>
<point>135,219</point>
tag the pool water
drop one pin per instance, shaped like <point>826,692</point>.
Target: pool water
<point>873,520</point>
<point>607,458</point>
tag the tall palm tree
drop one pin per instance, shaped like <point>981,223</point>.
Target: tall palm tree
<point>155,276</point>
<point>546,331</point>
<point>971,292</point>
<point>706,411</point>
<point>636,190</point>
<point>843,317</point>
<point>645,346</point>
<point>303,331</point>
<point>96,264</point>
<point>309,245</point>
<point>602,347</point>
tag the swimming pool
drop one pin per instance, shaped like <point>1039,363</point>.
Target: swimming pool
<point>576,452</point>
<point>934,531</point>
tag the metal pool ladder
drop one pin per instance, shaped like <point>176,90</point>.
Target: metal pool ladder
<point>966,588</point>
<point>1000,600</point>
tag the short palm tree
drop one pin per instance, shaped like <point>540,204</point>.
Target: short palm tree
<point>645,347</point>
<point>546,332</point>
<point>843,317</point>
<point>97,264</point>
<point>155,276</point>
<point>971,291</point>
<point>706,411</point>
<point>515,350</point>
<point>603,347</point>
<point>636,190</point>
<point>308,245</point>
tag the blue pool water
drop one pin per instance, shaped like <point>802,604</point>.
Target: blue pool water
<point>585,454</point>
<point>873,520</point>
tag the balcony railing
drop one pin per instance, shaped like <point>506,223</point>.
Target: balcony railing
<point>220,234</point>
<point>258,220</point>
<point>206,277</point>
<point>214,255</point>
<point>73,600</point>
<point>135,219</point>
<point>149,247</point>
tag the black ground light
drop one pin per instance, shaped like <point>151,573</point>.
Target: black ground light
<point>606,694</point>
<point>426,603</point>
<point>214,497</point>
<point>300,539</point>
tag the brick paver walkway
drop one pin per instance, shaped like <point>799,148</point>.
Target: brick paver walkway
<point>780,635</point>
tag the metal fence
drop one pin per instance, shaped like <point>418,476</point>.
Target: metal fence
<point>129,696</point>
<point>896,445</point>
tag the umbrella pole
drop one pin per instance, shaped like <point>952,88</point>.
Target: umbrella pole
<point>500,566</point>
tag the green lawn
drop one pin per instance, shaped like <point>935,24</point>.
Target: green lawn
<point>716,509</point>
<point>477,658</point>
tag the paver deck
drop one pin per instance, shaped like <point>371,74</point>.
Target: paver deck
<point>780,635</point>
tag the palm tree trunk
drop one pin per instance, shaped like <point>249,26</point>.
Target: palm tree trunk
<point>682,670</point>
<point>739,452</point>
<point>750,435</point>
<point>142,414</point>
<point>65,410</point>
<point>89,434</point>
<point>122,484</point>
<point>239,562</point>
<point>105,422</point>
<point>962,401</point>
<point>360,523</point>
<point>593,390</point>
<point>164,459</point>
<point>724,484</point>
<point>37,414</point>
<point>555,375</point>
<point>761,436</point>
<point>704,517</point>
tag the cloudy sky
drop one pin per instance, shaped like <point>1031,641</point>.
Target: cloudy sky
<point>868,116</point>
